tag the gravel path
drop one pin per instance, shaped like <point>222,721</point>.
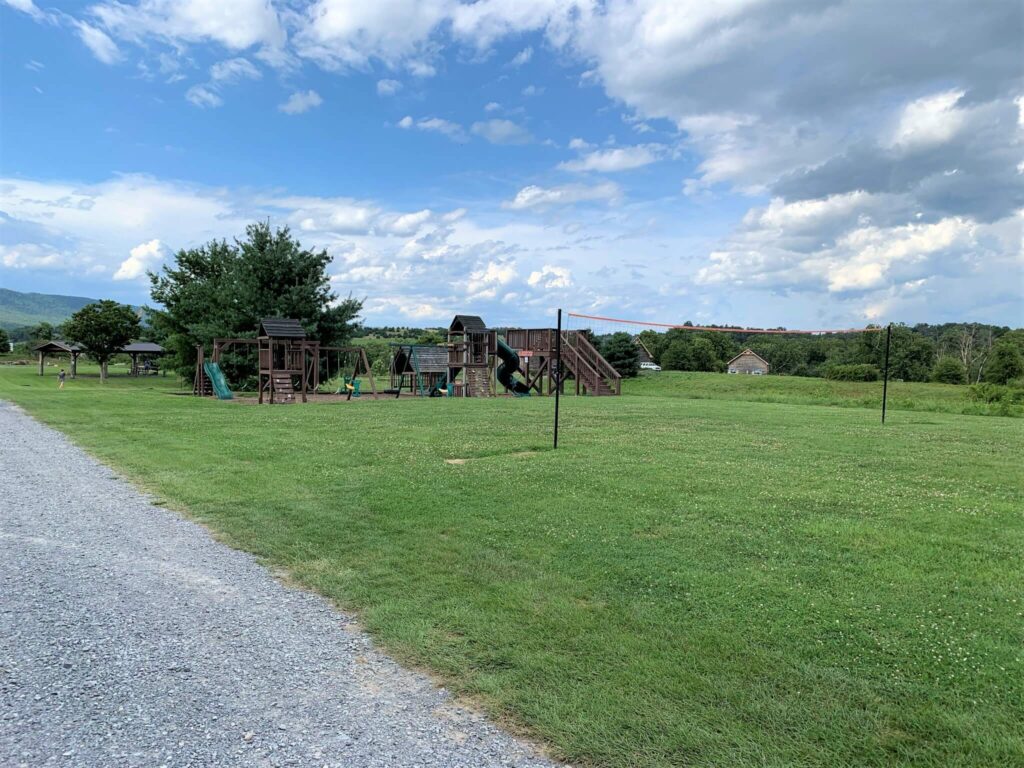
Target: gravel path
<point>128,637</point>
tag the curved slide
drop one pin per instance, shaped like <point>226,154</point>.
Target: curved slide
<point>219,382</point>
<point>509,365</point>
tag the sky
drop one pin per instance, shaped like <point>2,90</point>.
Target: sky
<point>795,163</point>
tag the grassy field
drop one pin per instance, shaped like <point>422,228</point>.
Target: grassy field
<point>700,582</point>
<point>903,395</point>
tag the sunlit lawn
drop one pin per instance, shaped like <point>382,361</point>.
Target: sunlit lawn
<point>706,582</point>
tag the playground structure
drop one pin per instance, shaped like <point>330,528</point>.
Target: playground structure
<point>524,361</point>
<point>422,369</point>
<point>288,365</point>
<point>477,361</point>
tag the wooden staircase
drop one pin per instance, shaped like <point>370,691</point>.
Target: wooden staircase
<point>478,381</point>
<point>594,375</point>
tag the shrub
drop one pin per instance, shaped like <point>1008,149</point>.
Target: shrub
<point>949,370</point>
<point>987,392</point>
<point>853,372</point>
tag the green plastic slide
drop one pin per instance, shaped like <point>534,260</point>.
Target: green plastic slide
<point>220,384</point>
<point>506,370</point>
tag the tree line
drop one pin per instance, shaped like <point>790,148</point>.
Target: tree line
<point>952,353</point>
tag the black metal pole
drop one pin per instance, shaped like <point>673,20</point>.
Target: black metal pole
<point>885,374</point>
<point>558,371</point>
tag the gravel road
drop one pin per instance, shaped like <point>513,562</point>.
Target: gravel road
<point>128,637</point>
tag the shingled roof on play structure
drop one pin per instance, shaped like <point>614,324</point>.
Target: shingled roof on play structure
<point>463,323</point>
<point>282,328</point>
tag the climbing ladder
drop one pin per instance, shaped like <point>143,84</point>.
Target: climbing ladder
<point>478,381</point>
<point>283,387</point>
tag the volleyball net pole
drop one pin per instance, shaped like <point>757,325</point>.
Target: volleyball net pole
<point>558,372</point>
<point>885,374</point>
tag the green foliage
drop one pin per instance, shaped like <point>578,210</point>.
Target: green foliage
<point>5,342</point>
<point>622,353</point>
<point>1006,363</point>
<point>949,370</point>
<point>675,356</point>
<point>811,589</point>
<point>432,336</point>
<point>224,290</point>
<point>103,328</point>
<point>42,332</point>
<point>853,372</point>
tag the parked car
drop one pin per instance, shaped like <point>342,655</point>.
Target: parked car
<point>650,367</point>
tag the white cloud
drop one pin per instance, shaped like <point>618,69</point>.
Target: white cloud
<point>617,159</point>
<point>580,144</point>
<point>453,131</point>
<point>339,34</point>
<point>234,70</point>
<point>492,106</point>
<point>142,257</point>
<point>31,256</point>
<point>97,41</point>
<point>499,131</point>
<point>388,87</point>
<point>930,120</point>
<point>34,66</point>
<point>202,96</point>
<point>408,223</point>
<point>542,197</point>
<point>549,277</point>
<point>26,6</point>
<point>532,90</point>
<point>222,74</point>
<point>521,58</point>
<point>236,25</point>
<point>301,101</point>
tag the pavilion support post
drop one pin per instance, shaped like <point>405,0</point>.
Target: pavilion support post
<point>42,357</point>
<point>74,364</point>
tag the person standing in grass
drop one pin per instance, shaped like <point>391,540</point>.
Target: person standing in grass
<point>60,379</point>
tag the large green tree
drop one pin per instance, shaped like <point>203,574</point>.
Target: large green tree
<point>622,353</point>
<point>224,289</point>
<point>1006,363</point>
<point>103,328</point>
<point>5,342</point>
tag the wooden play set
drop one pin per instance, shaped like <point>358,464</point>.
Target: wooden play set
<point>485,362</point>
<point>288,364</point>
<point>477,361</point>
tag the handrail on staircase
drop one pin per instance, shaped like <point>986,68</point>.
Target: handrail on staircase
<point>594,360</point>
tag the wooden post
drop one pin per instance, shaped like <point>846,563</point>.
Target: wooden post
<point>42,357</point>
<point>369,371</point>
<point>303,348</point>
<point>558,384</point>
<point>74,364</point>
<point>885,375</point>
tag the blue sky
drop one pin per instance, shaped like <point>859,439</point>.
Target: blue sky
<point>767,163</point>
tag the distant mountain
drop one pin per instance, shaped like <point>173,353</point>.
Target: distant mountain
<point>19,309</point>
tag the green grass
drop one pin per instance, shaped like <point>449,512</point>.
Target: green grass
<point>695,582</point>
<point>903,395</point>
